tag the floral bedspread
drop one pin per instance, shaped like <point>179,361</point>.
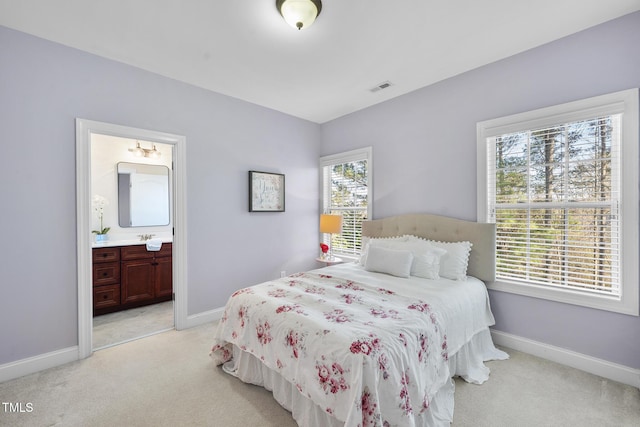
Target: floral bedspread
<point>367,355</point>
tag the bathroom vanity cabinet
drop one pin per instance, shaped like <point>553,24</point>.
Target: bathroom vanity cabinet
<point>131,276</point>
<point>106,279</point>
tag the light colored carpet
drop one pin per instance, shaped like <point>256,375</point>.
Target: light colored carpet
<point>168,380</point>
<point>123,326</point>
<point>528,391</point>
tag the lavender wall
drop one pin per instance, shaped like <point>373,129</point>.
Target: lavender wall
<point>424,151</point>
<point>43,88</point>
<point>424,160</point>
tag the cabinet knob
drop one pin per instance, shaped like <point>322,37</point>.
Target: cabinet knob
<point>104,274</point>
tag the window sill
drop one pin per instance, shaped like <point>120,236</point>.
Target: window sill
<point>627,306</point>
<point>347,258</point>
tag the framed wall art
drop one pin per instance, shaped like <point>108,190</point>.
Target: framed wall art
<point>266,192</point>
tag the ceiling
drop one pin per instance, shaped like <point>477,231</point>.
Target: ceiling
<point>244,49</point>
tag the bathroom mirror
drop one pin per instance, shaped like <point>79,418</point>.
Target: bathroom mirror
<point>143,195</point>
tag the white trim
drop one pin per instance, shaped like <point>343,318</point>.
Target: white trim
<point>205,317</point>
<point>365,153</point>
<point>84,129</point>
<point>83,225</point>
<point>612,371</point>
<point>611,103</point>
<point>30,365</point>
<point>567,296</point>
<point>180,233</point>
<point>347,156</point>
<point>592,365</point>
<point>625,102</point>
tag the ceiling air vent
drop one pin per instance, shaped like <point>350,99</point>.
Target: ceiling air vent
<point>381,86</point>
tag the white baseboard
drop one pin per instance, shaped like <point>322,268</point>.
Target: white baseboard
<point>30,365</point>
<point>52,359</point>
<point>603,368</point>
<point>204,317</point>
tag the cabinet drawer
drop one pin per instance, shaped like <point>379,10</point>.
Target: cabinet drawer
<point>166,250</point>
<point>135,252</point>
<point>106,296</point>
<point>106,273</point>
<point>141,252</point>
<point>106,254</point>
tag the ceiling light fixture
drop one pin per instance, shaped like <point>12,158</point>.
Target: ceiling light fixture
<point>145,152</point>
<point>299,13</point>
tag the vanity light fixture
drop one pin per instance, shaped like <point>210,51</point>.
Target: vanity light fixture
<point>299,13</point>
<point>152,153</point>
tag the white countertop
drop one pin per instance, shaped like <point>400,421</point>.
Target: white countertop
<point>126,242</point>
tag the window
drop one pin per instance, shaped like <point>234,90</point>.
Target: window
<point>346,190</point>
<point>560,184</point>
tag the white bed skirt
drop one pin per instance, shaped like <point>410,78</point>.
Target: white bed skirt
<point>467,363</point>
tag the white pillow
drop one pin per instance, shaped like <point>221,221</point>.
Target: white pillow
<point>426,259</point>
<point>387,242</point>
<point>426,265</point>
<point>389,261</point>
<point>454,263</point>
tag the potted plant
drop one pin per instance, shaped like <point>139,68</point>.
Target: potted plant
<point>99,203</point>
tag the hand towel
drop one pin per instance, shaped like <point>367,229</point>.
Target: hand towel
<point>154,245</point>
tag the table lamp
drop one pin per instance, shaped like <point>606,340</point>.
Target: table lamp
<point>330,224</point>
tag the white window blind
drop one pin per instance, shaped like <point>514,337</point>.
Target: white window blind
<point>346,191</point>
<point>561,185</point>
<point>554,197</point>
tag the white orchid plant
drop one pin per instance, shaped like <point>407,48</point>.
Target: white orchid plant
<point>99,203</point>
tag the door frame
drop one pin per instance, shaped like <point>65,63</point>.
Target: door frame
<point>84,130</point>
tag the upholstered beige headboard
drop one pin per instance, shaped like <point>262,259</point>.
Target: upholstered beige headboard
<point>482,261</point>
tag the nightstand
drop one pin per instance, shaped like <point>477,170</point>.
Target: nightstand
<point>334,260</point>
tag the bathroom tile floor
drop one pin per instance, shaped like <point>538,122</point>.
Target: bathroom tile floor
<point>122,326</point>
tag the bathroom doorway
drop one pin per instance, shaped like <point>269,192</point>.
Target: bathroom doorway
<point>131,199</point>
<point>98,173</point>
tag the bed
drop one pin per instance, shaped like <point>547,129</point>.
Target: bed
<point>374,342</point>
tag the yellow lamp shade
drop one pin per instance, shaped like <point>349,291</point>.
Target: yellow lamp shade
<point>331,224</point>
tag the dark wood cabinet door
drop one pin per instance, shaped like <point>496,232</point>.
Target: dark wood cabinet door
<point>106,273</point>
<point>164,277</point>
<point>106,297</point>
<point>110,254</point>
<point>137,278</point>
<point>106,279</point>
<point>131,276</point>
